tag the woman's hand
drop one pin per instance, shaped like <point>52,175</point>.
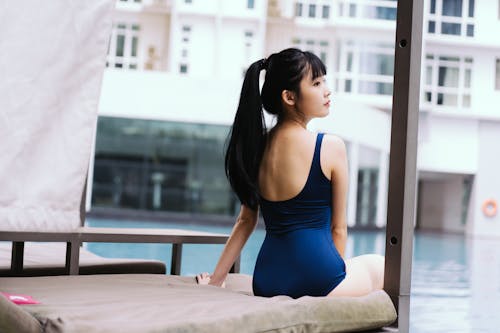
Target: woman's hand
<point>205,278</point>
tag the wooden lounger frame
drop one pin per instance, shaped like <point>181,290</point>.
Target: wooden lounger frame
<point>74,240</point>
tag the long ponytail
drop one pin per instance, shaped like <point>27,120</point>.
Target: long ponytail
<point>247,140</point>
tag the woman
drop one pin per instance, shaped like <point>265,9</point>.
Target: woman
<point>299,181</point>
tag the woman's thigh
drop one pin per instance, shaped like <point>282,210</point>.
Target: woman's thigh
<point>364,274</point>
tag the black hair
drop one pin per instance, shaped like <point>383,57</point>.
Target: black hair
<point>248,135</point>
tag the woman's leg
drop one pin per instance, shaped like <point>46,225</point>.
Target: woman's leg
<point>364,274</point>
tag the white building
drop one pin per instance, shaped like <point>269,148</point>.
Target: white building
<point>175,70</point>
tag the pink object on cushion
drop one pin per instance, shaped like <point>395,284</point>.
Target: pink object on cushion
<point>19,299</point>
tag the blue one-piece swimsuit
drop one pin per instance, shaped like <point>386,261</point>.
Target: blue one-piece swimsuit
<point>298,256</point>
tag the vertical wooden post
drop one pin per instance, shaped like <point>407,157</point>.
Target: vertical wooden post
<point>403,157</point>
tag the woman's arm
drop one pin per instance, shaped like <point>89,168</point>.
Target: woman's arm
<point>245,225</point>
<point>339,192</point>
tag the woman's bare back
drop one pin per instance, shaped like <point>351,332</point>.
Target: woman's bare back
<point>286,163</point>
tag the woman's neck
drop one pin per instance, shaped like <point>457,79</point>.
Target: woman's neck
<point>292,123</point>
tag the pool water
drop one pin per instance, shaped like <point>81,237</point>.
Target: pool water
<point>455,279</point>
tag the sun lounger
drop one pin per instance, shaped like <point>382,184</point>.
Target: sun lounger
<point>43,259</point>
<point>48,124</point>
<point>163,303</point>
<point>55,258</point>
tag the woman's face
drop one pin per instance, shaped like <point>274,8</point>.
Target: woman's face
<point>314,98</point>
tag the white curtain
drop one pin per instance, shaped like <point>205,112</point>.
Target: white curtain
<point>52,58</point>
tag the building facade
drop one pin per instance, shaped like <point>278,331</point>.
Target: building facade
<point>174,71</point>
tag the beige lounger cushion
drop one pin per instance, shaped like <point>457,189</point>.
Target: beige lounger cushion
<point>156,303</point>
<point>49,259</point>
<point>14,319</point>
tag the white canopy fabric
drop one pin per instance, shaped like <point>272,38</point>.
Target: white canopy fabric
<point>52,60</point>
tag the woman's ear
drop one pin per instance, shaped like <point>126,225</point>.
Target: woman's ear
<point>288,97</point>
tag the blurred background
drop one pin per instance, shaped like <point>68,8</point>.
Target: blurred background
<point>169,95</point>
<point>174,70</point>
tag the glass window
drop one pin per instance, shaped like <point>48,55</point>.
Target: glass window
<point>432,27</point>
<point>120,45</point>
<point>379,10</point>
<point>470,30</point>
<point>471,8</point>
<point>447,99</point>
<point>318,47</point>
<point>366,67</point>
<point>451,17</point>
<point>325,12</point>
<point>348,86</point>
<point>451,28</point>
<point>377,88</point>
<point>161,166</point>
<point>183,68</point>
<point>448,77</point>
<point>466,101</point>
<point>251,4</point>
<point>374,63</point>
<point>352,10</point>
<point>467,78</point>
<point>123,46</point>
<point>298,9</point>
<point>134,46</point>
<point>497,80</point>
<point>451,83</point>
<point>452,8</point>
<point>367,190</point>
<point>428,75</point>
<point>312,10</point>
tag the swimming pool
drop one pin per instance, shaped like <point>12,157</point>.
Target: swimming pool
<point>455,279</point>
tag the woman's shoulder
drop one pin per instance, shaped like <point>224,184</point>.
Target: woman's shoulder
<point>334,143</point>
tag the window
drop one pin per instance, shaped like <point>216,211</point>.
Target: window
<point>325,12</point>
<point>250,4</point>
<point>184,51</point>
<point>379,10</point>
<point>138,165</point>
<point>312,10</point>
<point>298,9</point>
<point>365,68</point>
<point>497,79</point>
<point>319,48</point>
<point>448,81</point>
<point>185,38</point>
<point>451,17</point>
<point>123,46</point>
<point>367,190</point>
<point>466,191</point>
<point>188,1</point>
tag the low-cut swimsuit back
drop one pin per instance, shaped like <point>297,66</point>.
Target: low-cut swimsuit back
<point>298,256</point>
